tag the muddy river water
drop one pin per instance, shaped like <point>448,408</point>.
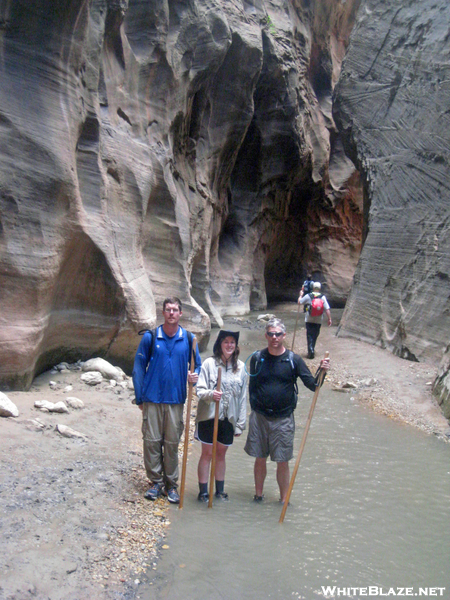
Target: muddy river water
<point>369,516</point>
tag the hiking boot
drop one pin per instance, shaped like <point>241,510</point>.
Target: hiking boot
<point>222,496</point>
<point>173,497</point>
<point>154,491</point>
<point>203,497</point>
<point>258,499</point>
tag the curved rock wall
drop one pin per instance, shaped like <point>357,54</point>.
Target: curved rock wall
<point>154,148</point>
<point>190,148</point>
<point>392,106</point>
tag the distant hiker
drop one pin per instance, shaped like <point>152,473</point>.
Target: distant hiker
<point>160,375</point>
<point>316,304</point>
<point>273,398</point>
<point>232,408</point>
<point>307,286</point>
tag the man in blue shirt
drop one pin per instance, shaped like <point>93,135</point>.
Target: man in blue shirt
<point>160,374</point>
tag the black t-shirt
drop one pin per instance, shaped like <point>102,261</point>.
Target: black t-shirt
<point>272,387</point>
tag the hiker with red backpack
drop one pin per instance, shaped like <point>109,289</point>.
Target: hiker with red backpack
<point>316,304</point>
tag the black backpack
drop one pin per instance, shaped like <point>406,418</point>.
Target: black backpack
<point>259,360</point>
<point>307,286</point>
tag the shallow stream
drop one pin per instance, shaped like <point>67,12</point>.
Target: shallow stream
<point>370,507</point>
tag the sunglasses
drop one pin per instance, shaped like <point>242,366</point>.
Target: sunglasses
<point>275,333</point>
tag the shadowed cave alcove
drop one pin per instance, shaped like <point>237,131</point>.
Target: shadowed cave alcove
<point>321,235</point>
<point>291,224</point>
<point>287,259</point>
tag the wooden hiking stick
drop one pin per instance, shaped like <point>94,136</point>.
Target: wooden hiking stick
<point>295,328</point>
<point>187,425</point>
<point>302,445</point>
<point>214,448</point>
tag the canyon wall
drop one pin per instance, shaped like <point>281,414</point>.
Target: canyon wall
<point>151,148</point>
<point>220,151</point>
<point>392,105</point>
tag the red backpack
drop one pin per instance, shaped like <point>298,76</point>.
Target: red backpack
<point>316,309</point>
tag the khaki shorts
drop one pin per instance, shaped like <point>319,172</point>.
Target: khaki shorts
<point>270,436</point>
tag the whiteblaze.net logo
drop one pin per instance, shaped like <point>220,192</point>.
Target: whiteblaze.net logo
<point>330,591</point>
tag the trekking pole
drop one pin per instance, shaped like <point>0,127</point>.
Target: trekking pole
<point>295,328</point>
<point>302,445</point>
<point>187,425</point>
<point>214,448</point>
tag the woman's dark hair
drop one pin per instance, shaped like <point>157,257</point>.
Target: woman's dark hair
<point>217,350</point>
<point>233,358</point>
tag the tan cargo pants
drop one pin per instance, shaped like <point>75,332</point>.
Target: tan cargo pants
<point>162,426</point>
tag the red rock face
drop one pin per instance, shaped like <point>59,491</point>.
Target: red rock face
<point>151,149</point>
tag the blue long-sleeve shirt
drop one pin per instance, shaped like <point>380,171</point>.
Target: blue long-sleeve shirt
<point>162,377</point>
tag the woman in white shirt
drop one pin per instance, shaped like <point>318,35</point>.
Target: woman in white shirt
<point>232,398</point>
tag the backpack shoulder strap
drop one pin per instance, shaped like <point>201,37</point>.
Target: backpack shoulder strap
<point>190,337</point>
<point>294,371</point>
<point>153,334</point>
<point>291,359</point>
<point>257,356</point>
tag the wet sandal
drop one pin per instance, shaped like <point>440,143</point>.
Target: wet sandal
<point>222,496</point>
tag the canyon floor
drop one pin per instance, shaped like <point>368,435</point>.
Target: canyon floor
<point>74,524</point>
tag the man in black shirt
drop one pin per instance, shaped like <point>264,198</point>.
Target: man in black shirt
<point>273,398</point>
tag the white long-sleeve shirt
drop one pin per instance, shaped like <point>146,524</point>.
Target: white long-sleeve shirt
<point>233,404</point>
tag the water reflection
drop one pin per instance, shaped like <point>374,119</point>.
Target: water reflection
<point>370,506</point>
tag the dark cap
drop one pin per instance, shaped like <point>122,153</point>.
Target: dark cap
<point>222,335</point>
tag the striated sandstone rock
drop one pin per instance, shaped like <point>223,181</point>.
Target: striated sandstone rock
<point>392,104</point>
<point>152,148</point>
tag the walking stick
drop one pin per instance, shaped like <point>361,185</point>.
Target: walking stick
<point>214,448</point>
<point>302,445</point>
<point>187,425</point>
<point>295,328</point>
